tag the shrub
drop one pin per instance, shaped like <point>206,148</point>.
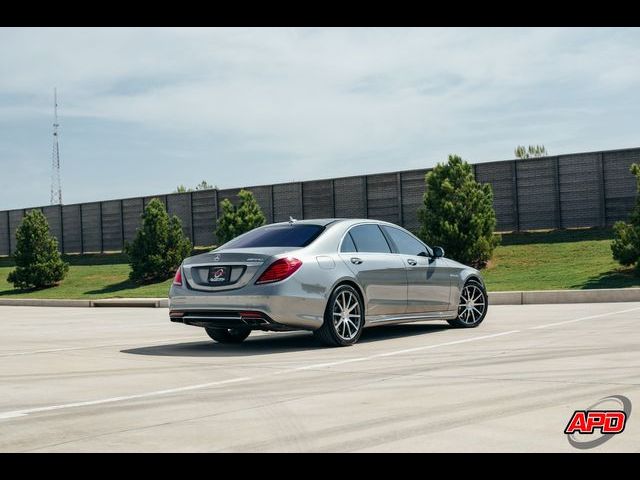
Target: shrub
<point>158,247</point>
<point>626,235</point>
<point>458,213</point>
<point>238,220</point>
<point>38,262</point>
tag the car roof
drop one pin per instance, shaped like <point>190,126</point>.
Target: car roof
<point>327,221</point>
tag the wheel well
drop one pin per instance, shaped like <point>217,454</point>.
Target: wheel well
<point>475,278</point>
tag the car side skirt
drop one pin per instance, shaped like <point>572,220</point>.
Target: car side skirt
<point>371,321</point>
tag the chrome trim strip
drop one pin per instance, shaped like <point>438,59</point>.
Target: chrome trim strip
<point>411,317</point>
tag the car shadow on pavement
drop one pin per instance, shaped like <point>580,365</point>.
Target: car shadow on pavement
<point>274,343</point>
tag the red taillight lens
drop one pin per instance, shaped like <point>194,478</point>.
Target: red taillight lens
<point>279,270</point>
<point>177,280</point>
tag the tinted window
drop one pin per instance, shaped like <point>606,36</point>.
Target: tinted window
<point>347,244</point>
<point>406,243</point>
<point>369,238</point>
<point>278,236</point>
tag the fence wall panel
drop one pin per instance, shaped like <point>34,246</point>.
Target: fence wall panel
<point>500,175</point>
<point>580,190</point>
<point>287,201</point>
<point>383,197</point>
<point>91,227</point>
<point>620,184</point>
<point>131,217</point>
<point>15,217</point>
<point>205,214</point>
<point>413,190</point>
<point>71,231</point>
<point>4,234</point>
<point>537,200</point>
<point>318,199</point>
<point>350,197</point>
<point>179,205</point>
<point>111,226</point>
<point>53,215</point>
<point>574,190</point>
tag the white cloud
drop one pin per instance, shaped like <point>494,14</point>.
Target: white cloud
<point>322,99</point>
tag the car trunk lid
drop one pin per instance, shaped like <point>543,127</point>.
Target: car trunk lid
<point>228,269</point>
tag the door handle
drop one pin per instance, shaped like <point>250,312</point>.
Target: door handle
<point>356,260</point>
<point>412,262</point>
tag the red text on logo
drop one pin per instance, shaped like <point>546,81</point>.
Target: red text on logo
<point>607,421</point>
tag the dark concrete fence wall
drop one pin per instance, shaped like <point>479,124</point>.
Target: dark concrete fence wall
<point>577,190</point>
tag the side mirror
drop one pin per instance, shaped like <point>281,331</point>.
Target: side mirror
<point>438,252</point>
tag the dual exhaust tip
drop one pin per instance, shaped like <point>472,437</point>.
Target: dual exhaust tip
<point>251,318</point>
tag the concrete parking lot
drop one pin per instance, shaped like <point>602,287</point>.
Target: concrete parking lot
<point>116,379</point>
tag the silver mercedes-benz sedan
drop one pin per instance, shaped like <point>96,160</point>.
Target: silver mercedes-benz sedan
<point>331,276</point>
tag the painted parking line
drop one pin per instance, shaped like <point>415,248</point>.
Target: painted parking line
<point>22,413</point>
<point>28,411</point>
<point>548,325</point>
<point>400,352</point>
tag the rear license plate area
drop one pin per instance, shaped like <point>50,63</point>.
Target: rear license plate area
<point>219,275</point>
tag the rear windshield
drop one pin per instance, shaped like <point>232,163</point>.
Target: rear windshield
<point>278,236</point>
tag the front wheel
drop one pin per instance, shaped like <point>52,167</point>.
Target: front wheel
<point>472,307</point>
<point>343,318</point>
<point>228,335</point>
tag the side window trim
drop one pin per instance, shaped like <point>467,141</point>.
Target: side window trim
<point>392,245</point>
<point>348,234</point>
<point>352,240</point>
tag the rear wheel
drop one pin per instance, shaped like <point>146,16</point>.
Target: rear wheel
<point>228,335</point>
<point>472,307</point>
<point>343,318</point>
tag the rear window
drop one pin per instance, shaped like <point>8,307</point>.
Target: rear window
<point>278,236</point>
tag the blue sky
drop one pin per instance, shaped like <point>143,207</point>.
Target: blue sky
<point>143,110</point>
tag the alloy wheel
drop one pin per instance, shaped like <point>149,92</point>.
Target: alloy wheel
<point>346,315</point>
<point>472,304</point>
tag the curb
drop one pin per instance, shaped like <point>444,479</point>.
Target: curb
<point>536,297</point>
<point>104,302</point>
<point>533,297</point>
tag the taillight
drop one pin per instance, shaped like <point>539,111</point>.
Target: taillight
<point>279,270</point>
<point>177,280</point>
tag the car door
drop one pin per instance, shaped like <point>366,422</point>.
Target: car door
<point>381,274</point>
<point>428,278</point>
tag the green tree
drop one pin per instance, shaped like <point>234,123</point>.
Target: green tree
<point>236,220</point>
<point>534,151</point>
<point>626,235</point>
<point>203,185</point>
<point>458,213</point>
<point>158,247</point>
<point>38,262</point>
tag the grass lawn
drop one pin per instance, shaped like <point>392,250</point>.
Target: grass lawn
<point>524,261</point>
<point>91,276</point>
<point>563,259</point>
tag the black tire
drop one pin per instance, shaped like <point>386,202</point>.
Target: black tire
<point>467,316</point>
<point>228,335</point>
<point>347,327</point>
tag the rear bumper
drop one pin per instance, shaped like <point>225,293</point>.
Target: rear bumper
<point>285,306</point>
<point>253,320</point>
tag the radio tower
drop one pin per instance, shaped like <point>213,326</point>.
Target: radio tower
<point>56,187</point>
